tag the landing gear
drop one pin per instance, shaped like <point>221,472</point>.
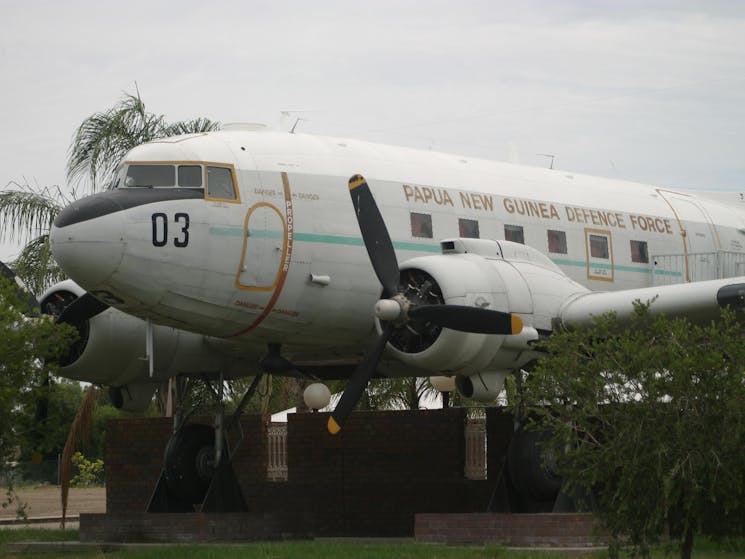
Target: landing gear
<point>190,462</point>
<point>528,482</point>
<point>197,474</point>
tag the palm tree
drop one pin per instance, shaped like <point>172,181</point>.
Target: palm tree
<point>26,216</point>
<point>398,393</point>
<point>103,139</point>
<point>99,144</point>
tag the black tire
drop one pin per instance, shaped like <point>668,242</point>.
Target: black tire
<point>189,458</point>
<point>526,465</point>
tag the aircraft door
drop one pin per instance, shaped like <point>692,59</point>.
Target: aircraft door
<point>700,239</point>
<point>599,250</point>
<point>264,246</point>
<point>267,237</point>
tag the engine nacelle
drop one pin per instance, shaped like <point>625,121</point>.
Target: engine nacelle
<point>135,397</point>
<point>481,387</point>
<point>111,350</point>
<point>497,275</point>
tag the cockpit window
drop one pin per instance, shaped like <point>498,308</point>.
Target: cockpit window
<point>190,176</point>
<point>220,183</point>
<point>217,180</point>
<point>150,175</point>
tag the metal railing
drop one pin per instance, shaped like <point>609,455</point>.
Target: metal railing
<point>276,469</point>
<point>475,467</point>
<point>668,269</point>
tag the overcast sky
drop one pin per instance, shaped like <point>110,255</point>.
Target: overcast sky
<point>650,91</point>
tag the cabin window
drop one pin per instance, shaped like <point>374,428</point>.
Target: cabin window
<point>220,183</point>
<point>514,233</point>
<point>190,176</point>
<point>599,247</point>
<point>468,228</point>
<point>639,252</point>
<point>421,225</point>
<point>150,176</point>
<point>557,242</point>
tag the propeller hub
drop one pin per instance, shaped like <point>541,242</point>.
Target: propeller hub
<point>395,309</point>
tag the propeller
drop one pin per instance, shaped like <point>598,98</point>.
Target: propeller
<point>395,310</point>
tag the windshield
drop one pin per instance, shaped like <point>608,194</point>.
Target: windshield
<point>150,175</point>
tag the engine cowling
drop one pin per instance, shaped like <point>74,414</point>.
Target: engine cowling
<point>481,387</point>
<point>111,350</point>
<point>498,275</point>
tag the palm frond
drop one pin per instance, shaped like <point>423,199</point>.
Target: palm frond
<point>27,212</point>
<point>189,127</point>
<point>36,265</point>
<point>80,432</point>
<point>104,138</point>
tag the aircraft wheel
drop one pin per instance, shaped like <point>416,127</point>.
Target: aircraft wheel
<point>189,462</point>
<point>529,468</point>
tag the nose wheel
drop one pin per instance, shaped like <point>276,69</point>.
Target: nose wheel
<point>197,470</point>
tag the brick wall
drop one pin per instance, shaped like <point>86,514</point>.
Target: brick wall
<point>520,530</point>
<point>386,474</point>
<point>378,447</point>
<point>369,480</point>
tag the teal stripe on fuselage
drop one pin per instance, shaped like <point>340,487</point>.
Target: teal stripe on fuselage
<point>322,239</point>
<point>403,245</point>
<point>640,270</point>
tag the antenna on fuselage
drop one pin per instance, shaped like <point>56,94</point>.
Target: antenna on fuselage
<point>287,114</point>
<point>297,120</point>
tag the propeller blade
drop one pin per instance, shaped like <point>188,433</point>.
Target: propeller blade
<point>358,382</point>
<point>82,309</point>
<point>375,235</point>
<point>29,303</point>
<point>469,319</point>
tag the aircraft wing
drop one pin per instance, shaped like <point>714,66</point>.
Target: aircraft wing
<point>698,301</point>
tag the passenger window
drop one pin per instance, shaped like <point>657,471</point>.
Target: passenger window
<point>150,175</point>
<point>514,233</point>
<point>468,228</point>
<point>557,242</point>
<point>190,176</point>
<point>220,183</point>
<point>639,252</point>
<point>421,225</point>
<point>599,247</point>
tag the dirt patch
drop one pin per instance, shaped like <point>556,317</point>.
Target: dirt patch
<point>45,501</point>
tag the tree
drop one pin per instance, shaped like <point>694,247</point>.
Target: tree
<point>397,393</point>
<point>98,146</point>
<point>26,215</point>
<point>102,140</point>
<point>28,347</point>
<point>651,421</point>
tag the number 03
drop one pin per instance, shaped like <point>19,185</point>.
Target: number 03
<point>160,229</point>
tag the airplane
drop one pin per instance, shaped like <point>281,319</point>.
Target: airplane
<point>225,252</point>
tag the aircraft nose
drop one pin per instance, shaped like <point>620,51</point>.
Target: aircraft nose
<point>87,240</point>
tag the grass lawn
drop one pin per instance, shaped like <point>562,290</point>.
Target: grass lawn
<point>329,550</point>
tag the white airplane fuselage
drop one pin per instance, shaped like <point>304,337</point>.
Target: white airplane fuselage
<point>281,259</point>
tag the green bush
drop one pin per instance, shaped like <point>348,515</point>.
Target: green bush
<point>90,472</point>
